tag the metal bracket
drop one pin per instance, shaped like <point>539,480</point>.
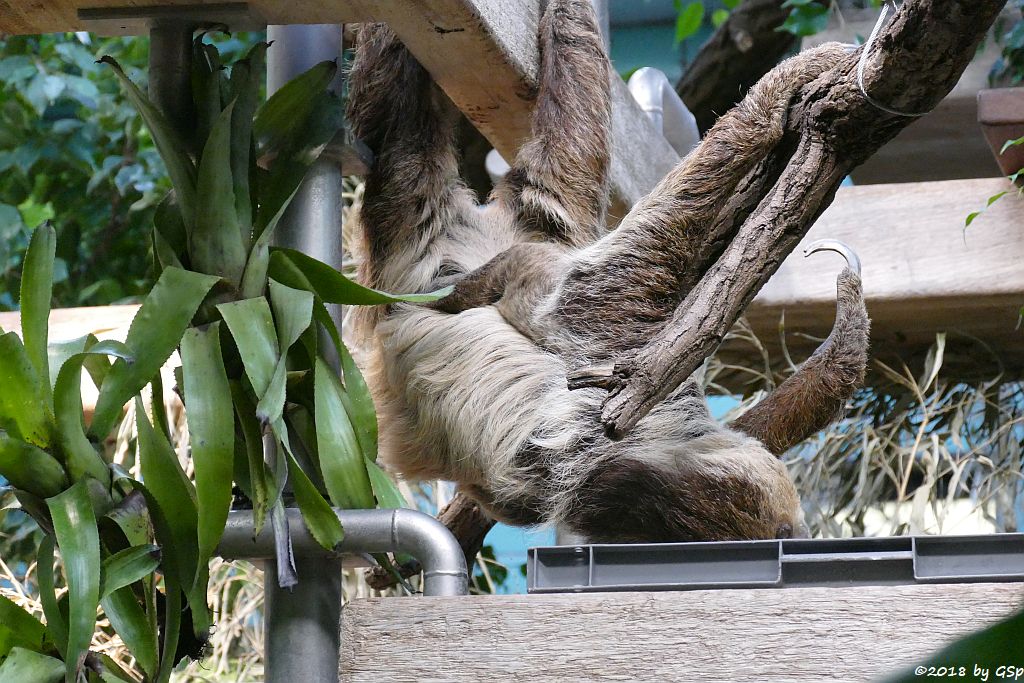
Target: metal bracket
<point>892,560</point>
<point>121,21</point>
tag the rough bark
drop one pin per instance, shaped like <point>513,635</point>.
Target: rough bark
<point>468,523</point>
<point>739,52</point>
<point>914,63</point>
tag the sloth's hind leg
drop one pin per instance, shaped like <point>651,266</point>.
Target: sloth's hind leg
<point>632,277</point>
<point>814,396</point>
<point>413,188</point>
<point>558,183</point>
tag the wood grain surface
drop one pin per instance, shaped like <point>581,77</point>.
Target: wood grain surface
<point>792,635</point>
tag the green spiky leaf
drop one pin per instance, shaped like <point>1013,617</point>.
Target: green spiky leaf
<point>169,143</point>
<point>216,244</point>
<point>341,459</point>
<point>24,412</point>
<point>26,666</point>
<point>154,334</point>
<point>74,526</point>
<point>36,290</point>
<point>211,431</point>
<point>30,468</point>
<point>333,287</point>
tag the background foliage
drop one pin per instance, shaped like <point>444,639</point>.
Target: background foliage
<point>74,151</point>
<point>70,146</point>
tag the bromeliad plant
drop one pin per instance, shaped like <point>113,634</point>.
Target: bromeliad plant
<point>264,407</point>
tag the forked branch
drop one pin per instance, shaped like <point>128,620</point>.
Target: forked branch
<point>915,61</point>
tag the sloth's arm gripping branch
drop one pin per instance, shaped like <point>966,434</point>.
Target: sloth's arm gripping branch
<point>520,267</point>
<point>912,65</point>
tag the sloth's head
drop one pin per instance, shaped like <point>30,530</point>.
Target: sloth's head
<point>742,494</point>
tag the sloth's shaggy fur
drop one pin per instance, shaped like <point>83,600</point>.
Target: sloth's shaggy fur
<point>473,389</point>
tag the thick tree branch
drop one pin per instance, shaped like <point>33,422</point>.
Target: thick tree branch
<point>742,50</point>
<point>914,63</point>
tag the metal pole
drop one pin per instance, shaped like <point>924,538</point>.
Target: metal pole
<point>366,531</point>
<point>302,624</point>
<point>170,71</point>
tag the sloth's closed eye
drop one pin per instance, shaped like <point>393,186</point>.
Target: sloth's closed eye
<point>448,269</point>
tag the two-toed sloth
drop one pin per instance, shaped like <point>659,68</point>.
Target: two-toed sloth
<point>473,389</point>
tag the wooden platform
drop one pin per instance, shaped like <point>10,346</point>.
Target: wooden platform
<point>792,635</point>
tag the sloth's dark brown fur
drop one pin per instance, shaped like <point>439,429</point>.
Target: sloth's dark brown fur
<point>473,389</point>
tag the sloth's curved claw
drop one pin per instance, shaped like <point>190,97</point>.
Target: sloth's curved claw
<point>811,398</point>
<point>838,247</point>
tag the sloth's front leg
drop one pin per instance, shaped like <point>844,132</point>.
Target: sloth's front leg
<point>516,277</point>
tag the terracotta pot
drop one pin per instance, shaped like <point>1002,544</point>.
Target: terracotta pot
<point>1001,115</point>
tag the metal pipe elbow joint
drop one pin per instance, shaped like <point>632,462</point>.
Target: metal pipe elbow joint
<point>659,100</point>
<point>414,533</point>
<point>366,531</point>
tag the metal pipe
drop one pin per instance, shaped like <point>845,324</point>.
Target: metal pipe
<point>170,71</point>
<point>366,531</point>
<point>661,103</point>
<point>302,636</point>
<point>312,223</point>
<point>299,47</point>
<point>302,642</point>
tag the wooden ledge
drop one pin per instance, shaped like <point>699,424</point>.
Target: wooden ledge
<point>790,635</point>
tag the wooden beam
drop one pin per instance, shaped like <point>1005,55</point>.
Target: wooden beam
<point>106,322</point>
<point>484,55</point>
<point>791,635</point>
<point>923,273</point>
<point>33,16</point>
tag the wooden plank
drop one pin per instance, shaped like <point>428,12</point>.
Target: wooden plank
<point>923,273</point>
<point>106,322</point>
<point>787,635</point>
<point>484,55</point>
